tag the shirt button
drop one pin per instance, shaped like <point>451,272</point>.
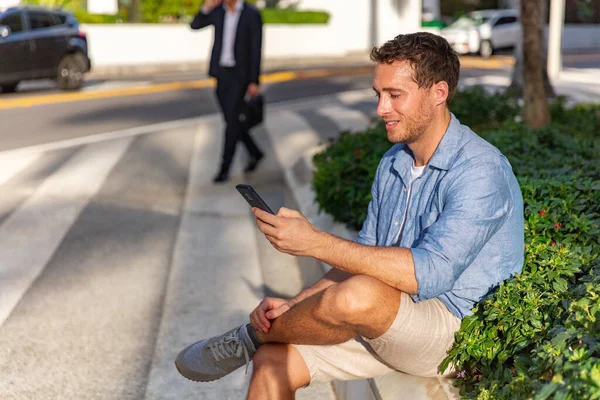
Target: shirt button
<point>404,190</point>
<point>396,223</point>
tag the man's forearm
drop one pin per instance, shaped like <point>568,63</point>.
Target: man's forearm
<point>391,265</point>
<point>202,19</point>
<point>332,277</point>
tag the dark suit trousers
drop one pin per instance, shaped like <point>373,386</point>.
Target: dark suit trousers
<point>230,92</point>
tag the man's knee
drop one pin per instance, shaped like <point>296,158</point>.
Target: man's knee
<point>269,355</point>
<point>362,300</point>
<point>282,362</point>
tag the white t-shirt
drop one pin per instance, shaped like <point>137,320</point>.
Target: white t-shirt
<point>415,172</point>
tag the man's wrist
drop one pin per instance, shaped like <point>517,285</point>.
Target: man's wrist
<point>322,243</point>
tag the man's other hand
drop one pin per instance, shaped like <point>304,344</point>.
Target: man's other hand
<point>269,308</point>
<point>289,232</point>
<point>252,90</point>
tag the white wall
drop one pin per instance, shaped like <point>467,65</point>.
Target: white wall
<point>8,3</point>
<point>349,31</point>
<point>126,45</point>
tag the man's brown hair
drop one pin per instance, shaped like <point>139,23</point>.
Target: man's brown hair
<point>430,56</point>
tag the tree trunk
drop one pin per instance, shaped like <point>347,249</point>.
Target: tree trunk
<point>517,80</point>
<point>535,109</point>
<point>134,11</point>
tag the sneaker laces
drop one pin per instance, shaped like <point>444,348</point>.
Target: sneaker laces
<point>230,346</point>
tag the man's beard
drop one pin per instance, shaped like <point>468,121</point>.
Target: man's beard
<point>415,126</point>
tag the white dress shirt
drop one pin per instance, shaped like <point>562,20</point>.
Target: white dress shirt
<point>229,30</point>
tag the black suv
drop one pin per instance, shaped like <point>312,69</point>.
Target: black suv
<point>39,43</point>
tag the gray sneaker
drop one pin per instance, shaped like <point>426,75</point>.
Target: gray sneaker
<point>211,359</point>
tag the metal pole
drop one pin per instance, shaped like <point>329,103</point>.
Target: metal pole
<point>557,18</point>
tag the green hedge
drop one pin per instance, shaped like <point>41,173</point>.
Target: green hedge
<point>156,13</point>
<point>537,335</point>
<point>85,18</point>
<point>286,16</point>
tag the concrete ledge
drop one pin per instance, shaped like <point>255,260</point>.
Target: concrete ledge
<point>394,385</point>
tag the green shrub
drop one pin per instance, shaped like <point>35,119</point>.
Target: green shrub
<point>582,120</point>
<point>480,109</point>
<point>556,150</point>
<point>288,16</point>
<point>85,18</point>
<point>536,336</point>
<point>345,173</point>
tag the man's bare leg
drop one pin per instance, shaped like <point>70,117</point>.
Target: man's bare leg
<point>361,305</point>
<point>278,371</point>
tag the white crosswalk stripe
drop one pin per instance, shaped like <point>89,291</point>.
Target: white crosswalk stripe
<point>30,235</point>
<point>346,119</point>
<point>11,165</point>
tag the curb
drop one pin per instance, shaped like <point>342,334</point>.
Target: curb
<point>356,61</point>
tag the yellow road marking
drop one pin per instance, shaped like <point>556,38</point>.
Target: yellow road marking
<point>467,62</point>
<point>496,62</point>
<point>101,94</point>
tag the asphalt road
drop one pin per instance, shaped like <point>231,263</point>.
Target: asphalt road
<point>52,121</point>
<point>27,126</point>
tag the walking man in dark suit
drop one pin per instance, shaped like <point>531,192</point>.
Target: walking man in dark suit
<point>235,63</point>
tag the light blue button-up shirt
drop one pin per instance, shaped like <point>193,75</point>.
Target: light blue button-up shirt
<point>464,225</point>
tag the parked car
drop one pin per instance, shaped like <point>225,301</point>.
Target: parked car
<point>40,43</point>
<point>484,31</point>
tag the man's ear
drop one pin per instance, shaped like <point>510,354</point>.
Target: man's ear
<point>440,92</point>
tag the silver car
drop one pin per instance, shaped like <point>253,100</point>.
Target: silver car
<point>483,32</point>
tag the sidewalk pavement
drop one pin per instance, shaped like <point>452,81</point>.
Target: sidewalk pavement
<point>577,84</point>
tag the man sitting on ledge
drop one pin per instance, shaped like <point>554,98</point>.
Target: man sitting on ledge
<point>444,228</point>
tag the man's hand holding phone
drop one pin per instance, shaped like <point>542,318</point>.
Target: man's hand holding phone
<point>288,231</point>
<point>209,5</point>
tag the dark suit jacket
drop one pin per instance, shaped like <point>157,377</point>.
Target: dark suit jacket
<point>248,41</point>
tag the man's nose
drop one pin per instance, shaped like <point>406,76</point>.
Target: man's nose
<point>383,106</point>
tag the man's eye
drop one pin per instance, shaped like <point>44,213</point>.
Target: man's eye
<point>377,95</point>
<point>395,96</point>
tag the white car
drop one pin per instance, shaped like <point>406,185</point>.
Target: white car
<point>484,32</point>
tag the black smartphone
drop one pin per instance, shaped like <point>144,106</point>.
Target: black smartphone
<point>253,198</point>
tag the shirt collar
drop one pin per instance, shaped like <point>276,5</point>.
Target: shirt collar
<point>449,145</point>
<point>442,157</point>
<point>239,4</point>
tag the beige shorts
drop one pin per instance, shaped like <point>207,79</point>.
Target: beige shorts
<point>416,344</point>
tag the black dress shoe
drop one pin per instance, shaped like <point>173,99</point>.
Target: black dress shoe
<point>253,163</point>
<point>221,177</point>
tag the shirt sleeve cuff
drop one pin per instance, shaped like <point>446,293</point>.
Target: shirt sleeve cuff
<point>421,263</point>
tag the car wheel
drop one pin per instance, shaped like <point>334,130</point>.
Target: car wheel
<point>485,49</point>
<point>9,87</point>
<point>70,71</point>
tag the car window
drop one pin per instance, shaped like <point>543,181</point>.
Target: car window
<point>468,21</point>
<point>67,19</point>
<point>41,20</point>
<point>13,21</point>
<point>506,20</point>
